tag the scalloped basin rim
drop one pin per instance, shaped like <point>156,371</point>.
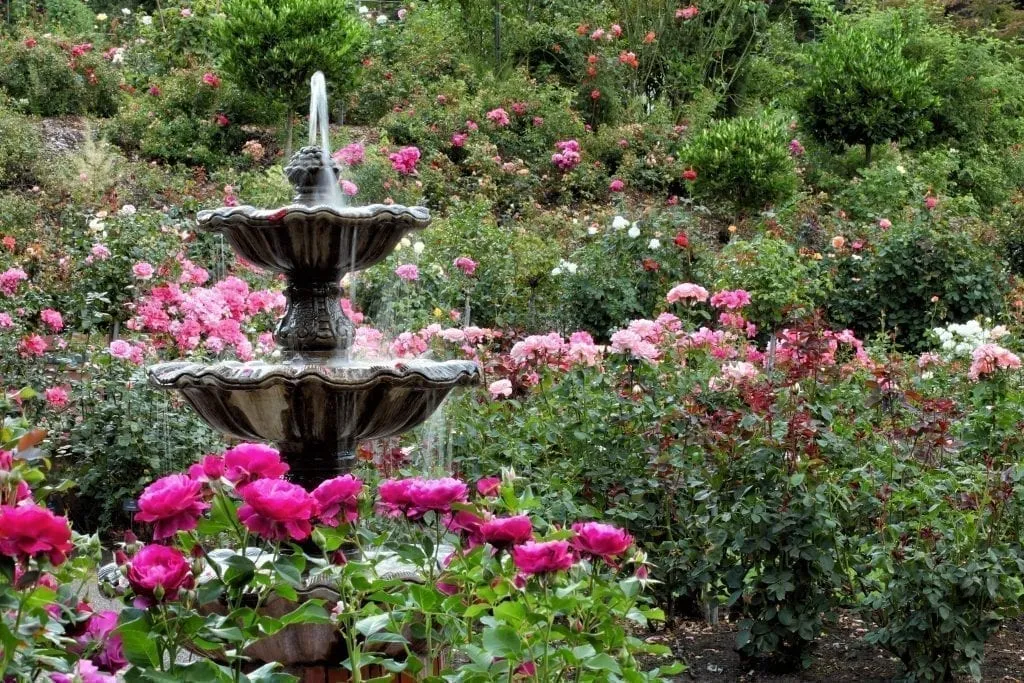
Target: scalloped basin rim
<point>419,215</point>
<point>257,374</point>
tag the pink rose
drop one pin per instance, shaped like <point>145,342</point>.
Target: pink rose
<point>489,486</point>
<point>459,139</point>
<point>210,468</point>
<point>142,270</point>
<point>349,188</point>
<point>121,349</point>
<point>338,499</point>
<point>277,510</point>
<point>408,272</point>
<point>617,185</point>
<point>350,155</point>
<point>504,532</point>
<point>415,497</point>
<point>99,636</point>
<point>498,117</point>
<point>687,290</point>
<point>466,265</point>
<point>33,345</point>
<point>211,80</point>
<point>171,504</point>
<point>52,319</point>
<point>542,558</point>
<point>884,223</point>
<point>404,160</point>
<point>501,387</point>
<point>247,462</point>
<point>158,573</point>
<point>599,540</point>
<point>56,396</point>
<point>30,531</point>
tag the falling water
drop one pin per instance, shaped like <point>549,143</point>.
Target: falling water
<point>328,191</point>
<point>353,276</point>
<point>435,443</point>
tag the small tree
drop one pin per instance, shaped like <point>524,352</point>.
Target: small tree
<point>863,90</point>
<point>275,46</point>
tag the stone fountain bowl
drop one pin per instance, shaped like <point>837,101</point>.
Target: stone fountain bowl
<point>315,413</point>
<point>314,242</point>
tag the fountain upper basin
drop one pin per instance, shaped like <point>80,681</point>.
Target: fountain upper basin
<point>314,242</point>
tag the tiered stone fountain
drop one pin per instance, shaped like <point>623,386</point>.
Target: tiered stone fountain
<point>318,403</point>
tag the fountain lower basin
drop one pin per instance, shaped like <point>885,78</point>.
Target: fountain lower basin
<point>316,413</point>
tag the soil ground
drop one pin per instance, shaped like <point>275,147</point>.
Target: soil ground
<point>840,657</point>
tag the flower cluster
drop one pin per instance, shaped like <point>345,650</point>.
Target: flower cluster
<point>568,155</point>
<point>404,160</point>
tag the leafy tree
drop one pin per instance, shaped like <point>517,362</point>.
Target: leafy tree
<point>275,46</point>
<point>863,90</point>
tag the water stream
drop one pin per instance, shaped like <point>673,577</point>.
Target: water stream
<point>328,191</point>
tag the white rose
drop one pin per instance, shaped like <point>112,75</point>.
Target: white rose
<point>619,223</point>
<point>125,11</point>
<point>147,20</point>
<point>128,210</point>
<point>592,230</point>
<point>381,20</point>
<point>363,9</point>
<point>654,244</point>
<point>572,268</point>
<point>634,232</point>
<point>405,243</point>
<point>556,271</point>
<point>418,248</point>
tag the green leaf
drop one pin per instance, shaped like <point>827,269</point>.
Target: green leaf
<point>502,641</point>
<point>602,662</point>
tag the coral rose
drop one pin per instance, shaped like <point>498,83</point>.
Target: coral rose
<point>171,504</point>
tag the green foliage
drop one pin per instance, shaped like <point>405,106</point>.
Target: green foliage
<point>742,162</point>
<point>783,286</point>
<point>614,277</point>
<point>20,147</point>
<point>862,89</point>
<point>273,47</point>
<point>46,79</point>
<point>918,275</point>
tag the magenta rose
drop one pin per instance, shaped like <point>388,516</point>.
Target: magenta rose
<point>158,573</point>
<point>171,504</point>
<point>489,486</point>
<point>599,540</point>
<point>467,523</point>
<point>394,496</point>
<point>210,468</point>
<point>28,531</point>
<point>247,462</point>
<point>436,494</point>
<point>338,499</point>
<point>542,558</point>
<point>105,646</point>
<point>505,532</point>
<point>277,510</point>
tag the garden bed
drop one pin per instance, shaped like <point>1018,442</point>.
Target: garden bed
<point>841,655</point>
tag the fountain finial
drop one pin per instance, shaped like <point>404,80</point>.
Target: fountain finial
<point>305,171</point>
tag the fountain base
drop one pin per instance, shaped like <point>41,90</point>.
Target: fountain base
<point>312,463</point>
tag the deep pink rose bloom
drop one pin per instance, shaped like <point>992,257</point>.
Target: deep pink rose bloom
<point>277,510</point>
<point>504,532</point>
<point>415,497</point>
<point>247,462</point>
<point>56,396</point>
<point>467,523</point>
<point>408,272</point>
<point>108,652</point>
<point>53,319</point>
<point>617,185</point>
<point>85,672</point>
<point>437,494</point>
<point>158,573</point>
<point>31,531</point>
<point>542,558</point>
<point>489,486</point>
<point>210,468</point>
<point>171,504</point>
<point>600,540</point>
<point>338,499</point>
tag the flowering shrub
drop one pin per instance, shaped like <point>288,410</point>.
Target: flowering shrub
<point>489,591</point>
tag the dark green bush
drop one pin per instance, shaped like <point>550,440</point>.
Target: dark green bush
<point>742,162</point>
<point>920,274</point>
<point>863,90</point>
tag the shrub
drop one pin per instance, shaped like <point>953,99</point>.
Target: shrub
<point>919,274</point>
<point>20,146</point>
<point>783,286</point>
<point>51,77</point>
<point>863,90</point>
<point>273,47</point>
<point>741,162</point>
